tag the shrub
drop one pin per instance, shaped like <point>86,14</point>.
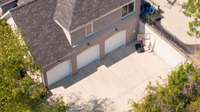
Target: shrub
<point>178,95</point>
<point>18,92</point>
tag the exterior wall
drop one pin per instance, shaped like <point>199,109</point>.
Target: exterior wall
<point>78,36</point>
<point>110,22</point>
<point>103,29</point>
<point>162,48</point>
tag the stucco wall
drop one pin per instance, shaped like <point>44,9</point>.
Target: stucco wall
<point>163,49</point>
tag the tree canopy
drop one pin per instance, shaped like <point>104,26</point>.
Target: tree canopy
<point>18,92</point>
<point>180,94</point>
<point>192,9</point>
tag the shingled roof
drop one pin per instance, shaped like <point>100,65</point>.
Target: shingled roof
<point>73,13</point>
<point>46,40</point>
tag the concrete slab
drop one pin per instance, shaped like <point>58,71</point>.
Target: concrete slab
<point>175,21</point>
<point>107,85</point>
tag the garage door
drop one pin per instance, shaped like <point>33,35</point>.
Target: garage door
<point>115,42</point>
<point>59,72</point>
<point>88,56</point>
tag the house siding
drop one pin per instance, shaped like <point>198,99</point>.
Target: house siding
<point>108,22</point>
<point>111,19</point>
<point>77,36</point>
<point>103,29</point>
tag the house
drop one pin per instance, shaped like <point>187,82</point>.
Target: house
<point>66,35</point>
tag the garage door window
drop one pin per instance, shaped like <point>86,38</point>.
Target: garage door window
<point>128,9</point>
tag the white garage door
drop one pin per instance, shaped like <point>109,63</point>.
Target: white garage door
<point>59,72</point>
<point>115,41</point>
<point>89,55</point>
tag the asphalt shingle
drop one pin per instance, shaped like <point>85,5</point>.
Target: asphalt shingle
<point>46,40</point>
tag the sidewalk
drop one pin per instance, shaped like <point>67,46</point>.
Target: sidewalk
<point>175,21</point>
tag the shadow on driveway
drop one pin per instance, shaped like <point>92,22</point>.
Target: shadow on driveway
<point>92,105</point>
<point>108,60</point>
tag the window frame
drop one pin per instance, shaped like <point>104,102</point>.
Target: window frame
<point>124,12</point>
<point>133,3</point>
<point>127,9</point>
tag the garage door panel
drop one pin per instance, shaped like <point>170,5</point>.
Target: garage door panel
<point>89,55</point>
<point>115,42</point>
<point>59,72</point>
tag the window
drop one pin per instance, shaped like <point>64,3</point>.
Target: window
<point>88,29</point>
<point>128,9</point>
<point>125,10</point>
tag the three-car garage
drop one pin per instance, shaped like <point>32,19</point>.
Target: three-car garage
<point>86,57</point>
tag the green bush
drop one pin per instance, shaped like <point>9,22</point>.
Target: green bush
<point>192,9</point>
<point>194,106</point>
<point>18,92</point>
<point>180,94</point>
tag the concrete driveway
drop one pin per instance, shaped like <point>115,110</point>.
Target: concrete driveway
<point>107,85</point>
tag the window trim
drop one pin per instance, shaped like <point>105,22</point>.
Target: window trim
<point>124,10</point>
<point>133,7</point>
<point>92,29</point>
<point>129,13</point>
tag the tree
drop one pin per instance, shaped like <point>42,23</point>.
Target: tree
<point>192,9</point>
<point>18,92</point>
<point>180,94</point>
<point>194,106</point>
